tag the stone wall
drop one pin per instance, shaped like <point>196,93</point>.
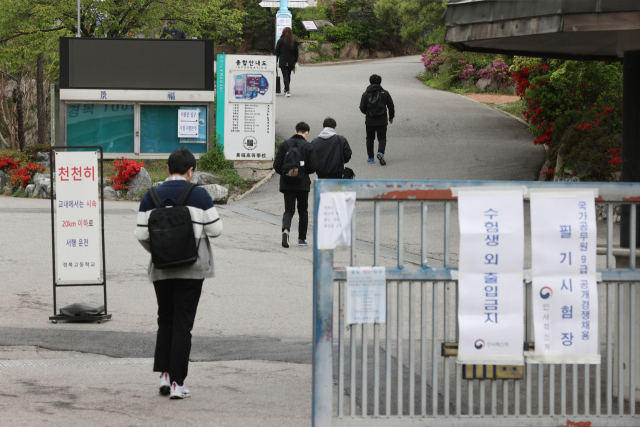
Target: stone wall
<point>311,51</point>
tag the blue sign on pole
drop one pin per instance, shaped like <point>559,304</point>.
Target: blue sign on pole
<point>283,18</point>
<point>220,100</point>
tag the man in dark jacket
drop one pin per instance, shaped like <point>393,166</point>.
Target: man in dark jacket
<point>374,103</point>
<point>295,183</point>
<point>333,151</point>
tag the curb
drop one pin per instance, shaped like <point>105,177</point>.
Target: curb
<point>255,187</point>
<point>497,109</point>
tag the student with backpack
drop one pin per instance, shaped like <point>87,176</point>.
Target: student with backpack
<point>295,160</point>
<point>333,152</point>
<point>175,222</point>
<point>374,104</point>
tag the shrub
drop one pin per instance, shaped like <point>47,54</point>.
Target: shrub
<point>498,71</point>
<point>432,59</point>
<point>214,160</point>
<point>7,163</point>
<point>345,32</point>
<point>125,171</point>
<point>31,151</point>
<point>22,176</point>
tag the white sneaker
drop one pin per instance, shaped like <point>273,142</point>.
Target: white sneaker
<point>179,392</point>
<point>285,239</point>
<point>165,384</point>
<point>288,95</point>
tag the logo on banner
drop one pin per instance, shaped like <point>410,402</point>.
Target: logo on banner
<point>546,292</point>
<point>479,344</point>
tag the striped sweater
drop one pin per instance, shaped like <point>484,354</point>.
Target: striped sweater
<point>206,223</point>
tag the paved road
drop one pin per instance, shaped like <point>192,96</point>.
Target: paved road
<point>436,134</point>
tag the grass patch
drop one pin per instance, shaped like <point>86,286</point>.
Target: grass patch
<point>514,108</point>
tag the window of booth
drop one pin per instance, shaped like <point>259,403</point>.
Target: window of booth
<point>159,129</point>
<point>109,125</point>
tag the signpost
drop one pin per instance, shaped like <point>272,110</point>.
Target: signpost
<point>283,16</point>
<point>245,122</point>
<point>77,224</point>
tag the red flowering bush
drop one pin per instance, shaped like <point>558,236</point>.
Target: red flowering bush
<point>574,109</point>
<point>548,174</point>
<point>22,176</point>
<point>7,163</point>
<point>125,171</point>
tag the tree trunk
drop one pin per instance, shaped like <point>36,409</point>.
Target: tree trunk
<point>18,98</point>
<point>42,116</point>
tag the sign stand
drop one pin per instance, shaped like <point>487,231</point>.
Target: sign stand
<point>99,317</point>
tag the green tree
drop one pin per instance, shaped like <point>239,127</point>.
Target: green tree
<point>415,21</point>
<point>29,32</point>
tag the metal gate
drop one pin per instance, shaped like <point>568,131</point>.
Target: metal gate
<point>403,372</point>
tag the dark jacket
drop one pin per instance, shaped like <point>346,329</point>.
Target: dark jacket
<point>333,152</point>
<point>310,163</point>
<point>382,119</point>
<point>287,57</point>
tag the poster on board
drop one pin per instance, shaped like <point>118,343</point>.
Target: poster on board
<point>246,106</point>
<point>77,217</point>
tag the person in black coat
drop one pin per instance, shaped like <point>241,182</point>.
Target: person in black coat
<point>333,151</point>
<point>296,191</point>
<point>287,56</point>
<point>376,121</point>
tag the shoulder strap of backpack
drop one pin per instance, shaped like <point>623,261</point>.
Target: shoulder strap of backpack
<point>153,193</point>
<point>185,193</point>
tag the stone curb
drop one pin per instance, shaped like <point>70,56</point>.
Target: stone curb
<point>255,187</point>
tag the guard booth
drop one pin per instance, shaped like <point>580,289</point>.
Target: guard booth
<point>137,98</point>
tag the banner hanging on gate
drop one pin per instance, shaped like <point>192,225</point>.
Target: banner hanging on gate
<point>490,282</point>
<point>564,289</point>
<point>77,217</point>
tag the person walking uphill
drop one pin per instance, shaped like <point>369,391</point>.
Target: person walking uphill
<point>295,160</point>
<point>333,151</point>
<point>181,258</point>
<point>374,103</point>
<point>287,55</point>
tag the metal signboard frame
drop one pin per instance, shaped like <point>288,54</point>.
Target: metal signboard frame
<point>98,317</point>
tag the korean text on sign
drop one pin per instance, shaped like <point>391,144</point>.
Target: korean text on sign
<point>565,309</point>
<point>490,277</point>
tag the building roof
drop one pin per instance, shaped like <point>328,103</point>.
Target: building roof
<point>572,29</point>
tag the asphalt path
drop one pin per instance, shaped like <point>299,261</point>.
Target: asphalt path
<point>435,135</point>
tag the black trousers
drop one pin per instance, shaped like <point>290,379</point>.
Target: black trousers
<point>177,304</point>
<point>290,199</point>
<point>371,136</point>
<point>286,77</point>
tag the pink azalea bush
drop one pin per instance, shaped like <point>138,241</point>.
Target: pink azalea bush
<point>432,59</point>
<point>497,71</point>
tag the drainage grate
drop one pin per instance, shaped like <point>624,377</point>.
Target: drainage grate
<point>69,362</point>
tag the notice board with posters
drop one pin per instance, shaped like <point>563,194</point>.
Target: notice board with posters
<point>245,120</point>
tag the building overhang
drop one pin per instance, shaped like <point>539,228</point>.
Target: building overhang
<point>564,29</point>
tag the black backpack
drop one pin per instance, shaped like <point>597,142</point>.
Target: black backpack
<point>173,243</point>
<point>376,103</point>
<point>291,170</point>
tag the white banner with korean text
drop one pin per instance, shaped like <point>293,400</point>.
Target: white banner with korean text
<point>565,293</point>
<point>77,217</point>
<point>490,281</point>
